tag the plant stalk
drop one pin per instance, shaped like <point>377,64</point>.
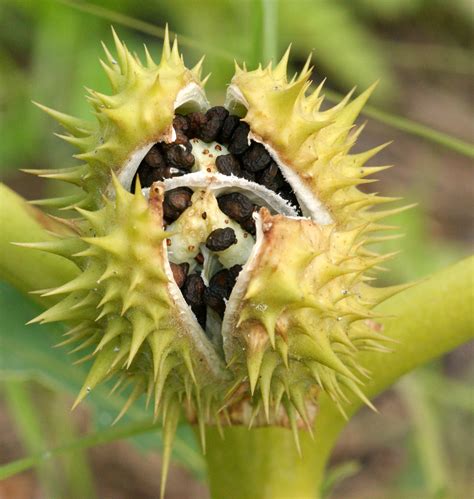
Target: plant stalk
<point>262,463</point>
<point>25,268</point>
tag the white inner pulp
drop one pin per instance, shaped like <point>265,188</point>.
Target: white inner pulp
<point>189,232</point>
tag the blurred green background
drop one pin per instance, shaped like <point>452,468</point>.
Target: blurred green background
<point>420,51</point>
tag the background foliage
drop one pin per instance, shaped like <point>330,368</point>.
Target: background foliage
<point>418,49</point>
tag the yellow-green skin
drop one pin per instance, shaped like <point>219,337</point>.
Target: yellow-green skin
<point>139,113</point>
<point>303,307</point>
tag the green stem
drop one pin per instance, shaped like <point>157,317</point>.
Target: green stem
<point>270,30</point>
<point>264,32</point>
<point>25,268</point>
<point>256,14</point>
<point>429,319</point>
<point>261,463</point>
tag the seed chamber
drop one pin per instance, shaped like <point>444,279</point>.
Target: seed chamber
<point>216,179</point>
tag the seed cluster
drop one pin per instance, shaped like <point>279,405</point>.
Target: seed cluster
<point>246,159</point>
<point>220,287</point>
<point>199,296</point>
<point>175,202</point>
<point>239,207</point>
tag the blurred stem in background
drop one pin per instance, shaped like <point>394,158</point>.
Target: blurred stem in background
<point>435,57</point>
<point>30,406</point>
<point>427,435</point>
<point>24,416</point>
<point>76,445</point>
<point>264,33</point>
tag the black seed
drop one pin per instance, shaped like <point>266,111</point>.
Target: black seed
<point>220,288</point>
<point>251,177</point>
<point>180,271</point>
<point>249,225</point>
<point>193,290</point>
<point>149,175</point>
<point>169,172</point>
<point>183,140</point>
<point>235,271</point>
<point>287,193</point>
<point>175,202</point>
<point>199,258</point>
<point>223,279</point>
<point>239,140</point>
<point>181,125</point>
<point>154,157</point>
<point>214,298</point>
<point>195,122</point>
<point>228,165</point>
<point>221,239</point>
<point>201,314</point>
<point>145,174</point>
<point>256,158</point>
<point>236,206</point>
<point>228,128</point>
<point>214,121</point>
<point>179,155</point>
<point>272,177</point>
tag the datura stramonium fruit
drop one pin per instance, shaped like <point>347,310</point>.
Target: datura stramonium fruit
<point>223,251</point>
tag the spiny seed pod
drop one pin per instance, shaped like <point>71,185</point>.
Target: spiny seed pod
<point>223,251</point>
